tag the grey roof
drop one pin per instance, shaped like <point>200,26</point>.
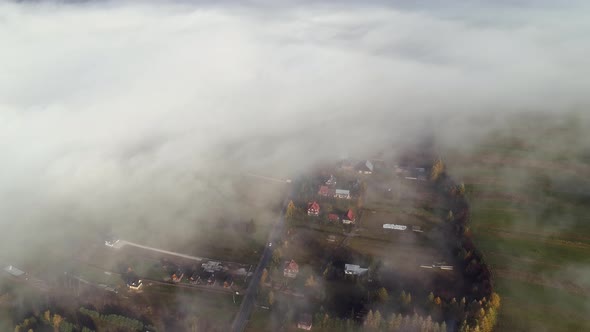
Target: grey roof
<point>342,192</point>
<point>14,271</point>
<point>369,165</point>
<point>354,269</point>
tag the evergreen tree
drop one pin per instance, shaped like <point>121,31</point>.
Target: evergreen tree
<point>291,209</point>
<point>369,319</point>
<point>382,295</point>
<point>377,320</point>
<point>437,169</point>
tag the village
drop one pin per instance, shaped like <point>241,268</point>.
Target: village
<point>358,243</point>
<point>360,235</point>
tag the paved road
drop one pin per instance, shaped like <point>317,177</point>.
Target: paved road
<point>122,243</point>
<point>247,305</point>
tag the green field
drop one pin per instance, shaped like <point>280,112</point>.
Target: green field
<point>530,217</point>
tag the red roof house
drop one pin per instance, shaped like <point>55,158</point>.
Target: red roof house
<point>291,269</point>
<point>349,217</point>
<point>333,217</point>
<point>313,209</point>
<point>324,191</point>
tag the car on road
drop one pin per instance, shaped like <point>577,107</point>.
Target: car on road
<point>270,244</point>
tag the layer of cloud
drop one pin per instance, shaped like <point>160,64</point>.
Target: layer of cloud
<point>107,105</point>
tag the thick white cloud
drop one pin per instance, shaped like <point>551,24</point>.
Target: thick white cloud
<point>101,101</point>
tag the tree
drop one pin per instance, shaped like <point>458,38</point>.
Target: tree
<point>276,256</point>
<point>291,209</point>
<point>369,319</point>
<point>437,169</point>
<point>377,320</point>
<point>310,282</point>
<point>450,216</point>
<point>271,298</point>
<point>57,319</point>
<point>495,301</point>
<point>461,189</point>
<point>263,277</point>
<point>382,295</point>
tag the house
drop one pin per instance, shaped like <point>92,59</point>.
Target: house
<point>177,275</point>
<point>13,271</point>
<point>365,167</point>
<point>229,281</point>
<point>195,278</point>
<point>132,281</point>
<point>304,322</point>
<point>396,227</point>
<point>211,279</point>
<point>212,266</point>
<point>355,270</point>
<point>331,181</point>
<point>411,173</point>
<point>111,240</point>
<point>313,209</point>
<point>342,193</point>
<point>333,217</point>
<point>349,217</point>
<point>331,238</point>
<point>291,269</point>
<point>324,191</point>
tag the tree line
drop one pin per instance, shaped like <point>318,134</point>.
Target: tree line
<point>483,308</point>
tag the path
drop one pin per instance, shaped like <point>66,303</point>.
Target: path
<point>121,243</point>
<point>247,305</point>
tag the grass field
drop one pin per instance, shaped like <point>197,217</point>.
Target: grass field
<point>531,218</point>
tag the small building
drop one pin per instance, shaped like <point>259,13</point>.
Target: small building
<point>111,240</point>
<point>177,275</point>
<point>211,279</point>
<point>365,167</point>
<point>331,238</point>
<point>195,278</point>
<point>212,266</point>
<point>313,209</point>
<point>355,270</point>
<point>13,271</point>
<point>229,281</point>
<point>304,322</point>
<point>291,269</point>
<point>396,227</point>
<point>132,281</point>
<point>349,217</point>
<point>333,217</point>
<point>342,193</point>
<point>324,191</point>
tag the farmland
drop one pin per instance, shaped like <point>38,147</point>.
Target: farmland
<point>529,204</point>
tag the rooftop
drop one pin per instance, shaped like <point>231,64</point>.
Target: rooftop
<point>14,271</point>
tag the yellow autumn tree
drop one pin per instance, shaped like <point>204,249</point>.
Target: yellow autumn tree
<point>291,209</point>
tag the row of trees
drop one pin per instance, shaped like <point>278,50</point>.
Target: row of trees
<point>480,314</point>
<point>115,320</point>
<point>58,322</point>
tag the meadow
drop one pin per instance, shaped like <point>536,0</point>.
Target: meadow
<point>531,218</point>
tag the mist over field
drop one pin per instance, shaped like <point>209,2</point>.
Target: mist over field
<point>141,115</point>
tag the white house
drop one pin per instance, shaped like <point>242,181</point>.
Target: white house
<point>354,270</point>
<point>342,193</point>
